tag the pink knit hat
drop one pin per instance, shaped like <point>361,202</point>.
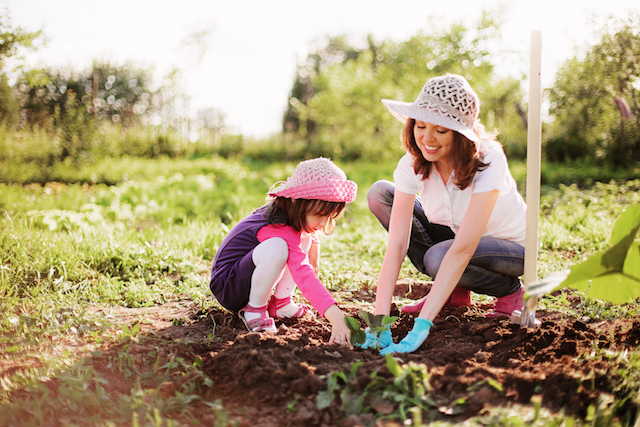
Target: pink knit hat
<point>317,179</point>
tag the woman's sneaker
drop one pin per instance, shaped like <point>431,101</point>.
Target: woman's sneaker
<point>504,306</point>
<point>460,297</point>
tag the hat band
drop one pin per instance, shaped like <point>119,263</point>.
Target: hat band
<point>332,191</point>
<point>436,104</point>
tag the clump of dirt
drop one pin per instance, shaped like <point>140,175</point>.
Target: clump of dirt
<point>473,363</point>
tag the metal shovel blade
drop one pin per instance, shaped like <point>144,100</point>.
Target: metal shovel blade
<point>527,316</point>
<point>547,285</point>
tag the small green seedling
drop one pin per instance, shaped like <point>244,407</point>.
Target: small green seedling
<point>376,324</point>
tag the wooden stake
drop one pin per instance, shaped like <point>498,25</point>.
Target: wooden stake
<point>534,150</point>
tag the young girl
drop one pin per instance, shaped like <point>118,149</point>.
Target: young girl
<point>275,249</point>
<point>466,227</point>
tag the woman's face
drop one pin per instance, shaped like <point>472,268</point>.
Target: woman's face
<point>435,142</point>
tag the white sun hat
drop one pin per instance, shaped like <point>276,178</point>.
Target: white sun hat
<point>447,101</point>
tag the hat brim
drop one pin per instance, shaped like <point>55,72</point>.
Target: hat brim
<point>409,110</point>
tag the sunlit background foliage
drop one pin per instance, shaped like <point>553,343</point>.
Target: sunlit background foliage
<point>75,117</point>
<point>595,100</point>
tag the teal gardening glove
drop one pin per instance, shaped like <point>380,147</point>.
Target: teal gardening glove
<point>413,340</point>
<point>384,339</point>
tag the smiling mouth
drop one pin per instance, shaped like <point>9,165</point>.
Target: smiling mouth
<point>431,147</point>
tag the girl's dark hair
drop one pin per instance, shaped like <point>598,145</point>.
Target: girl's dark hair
<point>293,212</point>
<point>466,160</point>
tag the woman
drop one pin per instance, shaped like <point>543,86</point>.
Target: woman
<point>466,228</point>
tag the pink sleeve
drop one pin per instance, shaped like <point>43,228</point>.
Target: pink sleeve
<point>300,268</point>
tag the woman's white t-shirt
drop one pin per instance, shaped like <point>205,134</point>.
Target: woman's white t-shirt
<point>446,204</point>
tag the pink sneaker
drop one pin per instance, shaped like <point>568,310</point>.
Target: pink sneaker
<point>504,306</point>
<point>460,297</point>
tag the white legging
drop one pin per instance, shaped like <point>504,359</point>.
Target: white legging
<point>270,258</point>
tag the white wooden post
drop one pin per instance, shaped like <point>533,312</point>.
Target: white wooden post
<point>534,151</point>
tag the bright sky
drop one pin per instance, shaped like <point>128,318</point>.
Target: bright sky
<point>252,46</point>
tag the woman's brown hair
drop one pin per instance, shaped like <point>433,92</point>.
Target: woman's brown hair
<point>293,212</point>
<point>465,157</point>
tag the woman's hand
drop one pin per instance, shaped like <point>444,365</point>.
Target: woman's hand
<point>340,332</point>
<point>457,258</point>
<point>378,341</point>
<point>397,244</point>
<point>413,340</point>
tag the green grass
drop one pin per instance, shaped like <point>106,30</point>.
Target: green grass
<point>135,233</point>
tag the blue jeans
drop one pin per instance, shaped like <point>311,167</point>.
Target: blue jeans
<point>494,267</point>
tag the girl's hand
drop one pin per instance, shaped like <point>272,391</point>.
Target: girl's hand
<point>340,332</point>
<point>314,258</point>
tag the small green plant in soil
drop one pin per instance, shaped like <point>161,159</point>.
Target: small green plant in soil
<point>376,323</point>
<point>403,395</point>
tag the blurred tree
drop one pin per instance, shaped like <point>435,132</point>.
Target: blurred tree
<point>171,104</point>
<point>121,94</point>
<point>335,101</point>
<point>12,41</point>
<point>336,50</point>
<point>72,105</point>
<point>595,101</point>
<point>9,105</point>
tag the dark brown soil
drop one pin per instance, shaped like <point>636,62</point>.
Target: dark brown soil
<point>473,363</point>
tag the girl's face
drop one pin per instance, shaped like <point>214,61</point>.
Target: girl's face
<point>435,142</point>
<point>316,222</point>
